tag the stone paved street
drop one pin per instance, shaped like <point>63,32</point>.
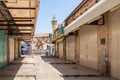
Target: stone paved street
<point>36,67</point>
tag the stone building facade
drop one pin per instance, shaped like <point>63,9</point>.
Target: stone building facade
<point>91,36</point>
<point>39,42</point>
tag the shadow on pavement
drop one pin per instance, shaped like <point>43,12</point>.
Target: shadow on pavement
<point>21,69</point>
<point>9,72</point>
<point>70,71</point>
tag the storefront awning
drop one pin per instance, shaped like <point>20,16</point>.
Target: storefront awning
<point>94,12</point>
<point>24,14</point>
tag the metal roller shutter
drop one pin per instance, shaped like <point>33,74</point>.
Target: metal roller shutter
<point>88,46</point>
<point>115,43</point>
<point>3,49</point>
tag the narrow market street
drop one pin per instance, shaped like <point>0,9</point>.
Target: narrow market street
<point>40,67</point>
<point>52,40</point>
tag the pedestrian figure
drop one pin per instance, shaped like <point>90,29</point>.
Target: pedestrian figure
<point>47,50</point>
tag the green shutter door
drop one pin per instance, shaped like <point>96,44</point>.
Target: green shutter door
<point>3,49</point>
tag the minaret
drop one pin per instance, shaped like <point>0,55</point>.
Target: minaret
<point>54,24</point>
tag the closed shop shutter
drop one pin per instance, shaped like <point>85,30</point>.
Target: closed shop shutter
<point>11,49</point>
<point>3,49</point>
<point>88,46</point>
<point>16,48</point>
<point>115,44</point>
<point>61,49</point>
<point>70,48</point>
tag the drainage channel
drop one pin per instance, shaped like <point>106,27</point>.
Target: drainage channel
<point>48,57</point>
<point>62,63</point>
<point>17,76</point>
<point>16,63</point>
<point>81,75</point>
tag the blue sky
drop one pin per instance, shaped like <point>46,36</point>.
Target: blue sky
<point>60,8</point>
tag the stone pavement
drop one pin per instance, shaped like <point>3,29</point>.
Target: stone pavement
<point>36,67</point>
